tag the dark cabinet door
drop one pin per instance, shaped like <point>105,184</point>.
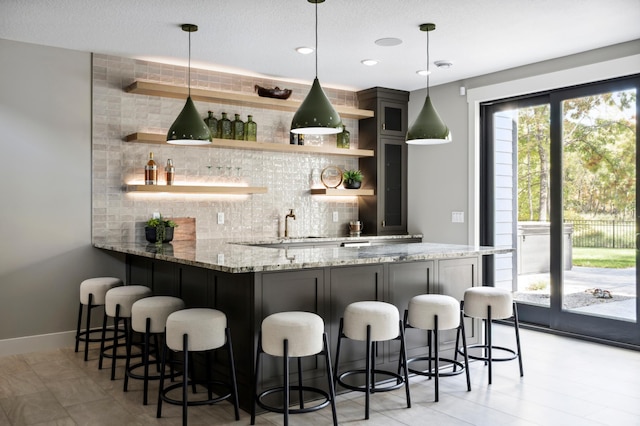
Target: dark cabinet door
<point>394,118</point>
<point>393,182</point>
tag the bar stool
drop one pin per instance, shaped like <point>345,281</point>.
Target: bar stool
<point>149,317</point>
<point>297,335</point>
<point>435,312</point>
<point>118,303</point>
<point>488,304</point>
<point>92,294</point>
<point>373,321</point>
<point>197,330</point>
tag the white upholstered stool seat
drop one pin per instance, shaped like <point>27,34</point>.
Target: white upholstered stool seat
<point>294,335</point>
<point>373,321</point>
<point>433,313</point>
<point>92,294</point>
<point>117,304</point>
<point>477,300</point>
<point>488,304</point>
<point>197,330</point>
<point>149,317</point>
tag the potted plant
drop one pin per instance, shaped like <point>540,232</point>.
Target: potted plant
<point>352,179</point>
<point>159,230</point>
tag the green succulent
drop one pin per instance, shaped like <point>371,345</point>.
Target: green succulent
<point>352,175</point>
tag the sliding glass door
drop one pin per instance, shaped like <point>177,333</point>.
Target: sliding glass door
<point>559,184</point>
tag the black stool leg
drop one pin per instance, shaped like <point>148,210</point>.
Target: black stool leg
<point>368,374</point>
<point>165,351</point>
<point>185,383</point>
<point>517,327</point>
<point>436,357</point>
<point>335,370</point>
<point>104,332</point>
<point>116,321</point>
<point>403,356</point>
<point>78,329</point>
<point>286,381</point>
<point>300,392</point>
<point>489,343</point>
<point>232,374</point>
<point>461,330</point>
<point>145,361</point>
<point>332,391</point>
<point>127,363</point>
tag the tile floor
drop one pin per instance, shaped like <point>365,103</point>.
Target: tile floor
<point>566,382</point>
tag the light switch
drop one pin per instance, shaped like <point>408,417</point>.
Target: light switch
<point>335,216</point>
<point>220,218</point>
<point>457,217</point>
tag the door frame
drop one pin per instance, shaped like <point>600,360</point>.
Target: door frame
<point>554,317</point>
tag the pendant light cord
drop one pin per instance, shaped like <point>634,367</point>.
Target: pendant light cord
<point>428,72</point>
<point>316,39</point>
<point>189,72</point>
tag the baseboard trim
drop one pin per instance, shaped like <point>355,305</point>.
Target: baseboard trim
<point>41,342</point>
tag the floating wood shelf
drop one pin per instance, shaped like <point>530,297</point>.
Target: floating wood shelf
<point>143,87</point>
<point>195,189</point>
<point>158,138</point>
<point>340,191</point>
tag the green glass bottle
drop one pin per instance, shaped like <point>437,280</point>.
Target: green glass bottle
<point>250,129</point>
<point>224,127</point>
<point>237,128</point>
<point>212,124</point>
<point>343,138</point>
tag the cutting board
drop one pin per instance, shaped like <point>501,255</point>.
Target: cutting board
<point>186,230</point>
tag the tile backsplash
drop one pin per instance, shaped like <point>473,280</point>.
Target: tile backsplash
<point>288,177</point>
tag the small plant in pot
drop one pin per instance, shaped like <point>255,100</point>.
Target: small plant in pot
<point>352,179</point>
<point>159,230</point>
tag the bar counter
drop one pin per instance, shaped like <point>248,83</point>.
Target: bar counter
<point>250,280</point>
<point>302,253</point>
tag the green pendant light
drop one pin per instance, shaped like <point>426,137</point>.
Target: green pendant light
<point>316,115</point>
<point>189,128</point>
<point>428,129</point>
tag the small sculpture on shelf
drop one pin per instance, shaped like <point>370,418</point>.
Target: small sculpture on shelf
<point>276,93</point>
<point>352,179</point>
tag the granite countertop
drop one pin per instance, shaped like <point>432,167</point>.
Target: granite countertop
<point>241,257</point>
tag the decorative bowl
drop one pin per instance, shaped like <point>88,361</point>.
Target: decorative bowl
<point>276,92</point>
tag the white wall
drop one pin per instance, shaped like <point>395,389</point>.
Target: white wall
<point>445,178</point>
<point>45,183</point>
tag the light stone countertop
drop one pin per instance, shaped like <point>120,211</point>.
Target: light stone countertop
<point>240,257</point>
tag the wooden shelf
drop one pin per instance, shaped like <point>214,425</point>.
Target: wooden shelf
<point>341,191</point>
<point>194,189</point>
<point>143,87</point>
<point>161,138</point>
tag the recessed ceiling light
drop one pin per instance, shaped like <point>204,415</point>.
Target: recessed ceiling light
<point>388,41</point>
<point>304,50</point>
<point>443,64</point>
<point>369,62</point>
<point>423,72</point>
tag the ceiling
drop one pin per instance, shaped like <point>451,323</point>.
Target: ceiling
<point>259,37</point>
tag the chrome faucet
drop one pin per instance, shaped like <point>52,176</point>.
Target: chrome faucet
<point>286,222</point>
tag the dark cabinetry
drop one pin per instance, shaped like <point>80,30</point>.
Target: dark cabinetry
<point>386,212</point>
<point>247,298</point>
